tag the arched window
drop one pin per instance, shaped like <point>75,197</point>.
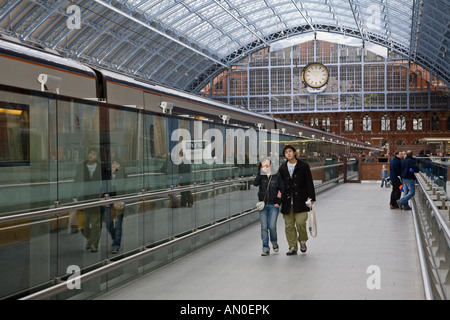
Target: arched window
<point>434,122</point>
<point>385,123</point>
<point>367,123</point>
<point>417,123</point>
<point>401,123</point>
<point>326,124</point>
<point>348,123</point>
<point>314,122</point>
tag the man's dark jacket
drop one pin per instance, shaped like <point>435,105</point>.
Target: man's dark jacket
<point>395,169</point>
<point>300,187</point>
<point>409,167</point>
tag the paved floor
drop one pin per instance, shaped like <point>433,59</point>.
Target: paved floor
<point>361,243</point>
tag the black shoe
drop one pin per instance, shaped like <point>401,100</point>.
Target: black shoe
<point>291,252</point>
<point>303,246</point>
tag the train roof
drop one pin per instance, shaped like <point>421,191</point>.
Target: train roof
<point>28,53</point>
<point>178,93</point>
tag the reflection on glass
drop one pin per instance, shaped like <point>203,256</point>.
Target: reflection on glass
<point>14,134</point>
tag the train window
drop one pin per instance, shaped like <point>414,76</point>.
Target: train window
<point>14,134</point>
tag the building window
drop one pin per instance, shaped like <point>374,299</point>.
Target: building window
<point>385,123</point>
<point>326,124</point>
<point>314,122</point>
<point>435,122</point>
<point>448,123</point>
<point>417,123</point>
<point>348,123</point>
<point>401,123</point>
<point>367,123</point>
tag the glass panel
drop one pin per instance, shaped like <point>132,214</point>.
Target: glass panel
<point>26,171</point>
<point>352,169</point>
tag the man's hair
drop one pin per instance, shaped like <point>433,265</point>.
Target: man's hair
<point>93,150</point>
<point>288,146</point>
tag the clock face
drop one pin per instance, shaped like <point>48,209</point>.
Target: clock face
<point>316,75</point>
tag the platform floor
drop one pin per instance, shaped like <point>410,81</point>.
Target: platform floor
<point>356,230</point>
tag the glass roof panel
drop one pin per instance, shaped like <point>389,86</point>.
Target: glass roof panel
<point>218,32</point>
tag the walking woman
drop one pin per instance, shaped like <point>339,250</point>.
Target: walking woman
<point>271,188</point>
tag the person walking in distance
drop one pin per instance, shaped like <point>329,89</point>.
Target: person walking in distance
<point>299,186</point>
<point>395,168</point>
<point>409,167</point>
<point>384,175</point>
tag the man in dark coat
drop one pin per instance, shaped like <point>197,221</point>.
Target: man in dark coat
<point>299,186</point>
<point>395,168</point>
<point>409,168</point>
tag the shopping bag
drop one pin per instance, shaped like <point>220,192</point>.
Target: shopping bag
<point>312,223</point>
<point>76,220</point>
<point>72,224</point>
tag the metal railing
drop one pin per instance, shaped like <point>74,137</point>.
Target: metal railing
<point>431,213</point>
<point>59,285</point>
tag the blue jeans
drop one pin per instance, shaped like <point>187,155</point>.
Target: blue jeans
<point>409,190</point>
<point>268,218</point>
<point>114,227</point>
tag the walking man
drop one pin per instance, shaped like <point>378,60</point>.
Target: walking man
<point>299,186</point>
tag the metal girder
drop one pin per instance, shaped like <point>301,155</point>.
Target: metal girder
<point>121,34</point>
<point>299,9</point>
<point>154,29</point>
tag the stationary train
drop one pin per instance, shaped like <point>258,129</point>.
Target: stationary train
<point>40,69</point>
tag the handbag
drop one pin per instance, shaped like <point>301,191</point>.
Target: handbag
<point>260,205</point>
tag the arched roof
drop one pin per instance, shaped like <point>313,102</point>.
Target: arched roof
<point>184,43</point>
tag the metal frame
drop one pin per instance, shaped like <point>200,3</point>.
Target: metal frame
<point>202,38</point>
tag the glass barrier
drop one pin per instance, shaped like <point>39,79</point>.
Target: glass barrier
<point>68,153</point>
<point>436,169</point>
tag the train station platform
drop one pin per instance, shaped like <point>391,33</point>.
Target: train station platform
<point>363,251</point>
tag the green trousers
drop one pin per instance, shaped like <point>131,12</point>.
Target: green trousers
<point>92,225</point>
<point>295,228</point>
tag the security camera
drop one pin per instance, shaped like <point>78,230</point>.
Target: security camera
<point>260,125</point>
<point>225,118</point>
<point>166,106</point>
<point>49,83</point>
<point>283,130</point>
<point>300,133</point>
